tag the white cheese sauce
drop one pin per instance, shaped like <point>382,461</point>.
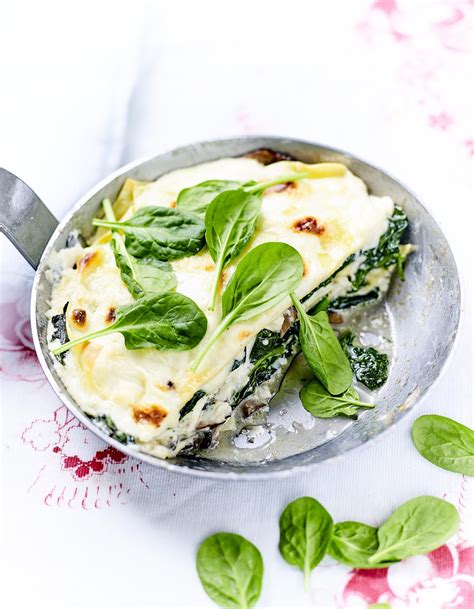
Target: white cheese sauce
<point>105,378</point>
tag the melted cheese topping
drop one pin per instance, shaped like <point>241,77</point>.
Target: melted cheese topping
<point>144,390</point>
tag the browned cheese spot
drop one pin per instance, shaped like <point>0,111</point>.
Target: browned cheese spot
<point>335,318</point>
<point>87,261</point>
<point>111,316</point>
<point>153,414</point>
<point>173,204</point>
<point>243,334</point>
<point>308,225</point>
<point>282,187</point>
<point>79,317</point>
<point>266,156</point>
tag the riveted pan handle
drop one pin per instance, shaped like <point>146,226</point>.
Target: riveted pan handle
<point>24,218</point>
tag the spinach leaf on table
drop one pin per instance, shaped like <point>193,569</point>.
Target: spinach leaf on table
<point>370,367</point>
<point>167,321</point>
<point>323,351</point>
<point>231,570</point>
<point>445,442</point>
<point>141,276</point>
<point>160,232</point>
<point>305,532</point>
<point>320,403</point>
<point>262,279</point>
<point>231,219</point>
<point>353,543</point>
<point>418,526</point>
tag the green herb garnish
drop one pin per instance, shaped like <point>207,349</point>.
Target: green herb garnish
<point>160,233</point>
<point>168,321</point>
<point>320,403</point>
<point>322,350</point>
<point>262,279</point>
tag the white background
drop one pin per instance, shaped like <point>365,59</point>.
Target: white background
<point>86,87</point>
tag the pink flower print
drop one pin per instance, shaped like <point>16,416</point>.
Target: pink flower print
<point>469,143</point>
<point>443,579</point>
<point>19,361</point>
<point>440,121</point>
<point>42,435</point>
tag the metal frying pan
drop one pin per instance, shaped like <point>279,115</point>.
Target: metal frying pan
<point>424,309</point>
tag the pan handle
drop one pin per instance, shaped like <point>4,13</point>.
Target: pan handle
<point>24,218</point>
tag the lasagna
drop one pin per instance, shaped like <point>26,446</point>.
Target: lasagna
<point>348,239</point>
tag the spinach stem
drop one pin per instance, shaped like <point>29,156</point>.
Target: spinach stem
<point>215,286</point>
<point>83,339</point>
<point>290,177</point>
<point>118,239</point>
<point>225,323</point>
<point>307,578</point>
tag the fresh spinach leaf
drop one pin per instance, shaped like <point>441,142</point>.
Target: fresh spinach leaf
<point>445,442</point>
<point>231,570</point>
<point>323,351</point>
<point>160,232</point>
<point>387,252</point>
<point>305,532</point>
<point>353,300</point>
<point>418,526</point>
<point>197,198</point>
<point>320,403</point>
<point>370,367</point>
<point>353,543</point>
<point>262,279</point>
<point>168,321</point>
<point>141,276</point>
<point>230,221</point>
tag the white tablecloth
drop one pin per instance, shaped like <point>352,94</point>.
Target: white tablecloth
<point>91,85</point>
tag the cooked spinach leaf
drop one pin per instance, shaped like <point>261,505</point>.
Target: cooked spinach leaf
<point>197,198</point>
<point>370,367</point>
<point>322,350</point>
<point>418,526</point>
<point>268,351</point>
<point>353,543</point>
<point>106,424</point>
<point>320,403</point>
<point>231,219</point>
<point>445,442</point>
<point>141,276</point>
<point>262,279</point>
<point>190,404</point>
<point>60,331</point>
<point>231,570</point>
<point>305,532</point>
<point>353,300</point>
<point>387,251</point>
<point>168,321</point>
<point>160,232</point>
